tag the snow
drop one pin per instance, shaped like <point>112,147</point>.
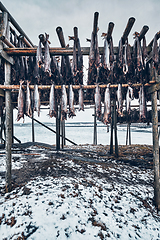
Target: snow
<point>89,207</point>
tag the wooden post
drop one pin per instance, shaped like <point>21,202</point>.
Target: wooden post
<point>63,133</point>
<point>115,128</point>
<point>32,106</point>
<point>8,143</point>
<point>128,135</point>
<point>95,128</point>
<point>155,149</point>
<point>112,121</point>
<point>58,128</point>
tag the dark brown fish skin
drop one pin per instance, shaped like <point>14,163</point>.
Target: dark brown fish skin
<point>20,102</point>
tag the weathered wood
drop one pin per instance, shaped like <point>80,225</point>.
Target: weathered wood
<point>4,24</point>
<point>95,23</point>
<point>53,51</point>
<point>32,107</point>
<point>112,126</point>
<point>11,87</point>
<point>23,39</point>
<point>5,56</point>
<point>8,142</point>
<point>128,29</point>
<point>115,128</point>
<point>110,30</point>
<point>155,150</point>
<point>62,133</point>
<point>95,128</point>
<point>58,128</point>
<point>143,32</point>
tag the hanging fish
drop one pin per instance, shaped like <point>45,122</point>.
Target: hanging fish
<point>120,53</point>
<point>74,63</point>
<point>98,102</point>
<point>71,102</point>
<point>47,58</point>
<point>142,104</point>
<point>36,100</point>
<point>64,103</point>
<point>106,54</point>
<point>125,63</point>
<point>28,101</point>
<point>52,103</point>
<point>81,105</point>
<point>111,57</point>
<point>120,100</point>
<point>140,65</point>
<point>129,98</point>
<point>20,102</point>
<point>107,106</point>
<point>39,56</point>
<point>144,51</point>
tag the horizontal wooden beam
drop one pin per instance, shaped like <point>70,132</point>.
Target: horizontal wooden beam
<point>53,51</point>
<point>13,87</point>
<point>153,88</point>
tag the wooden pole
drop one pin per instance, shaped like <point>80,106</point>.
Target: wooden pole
<point>95,128</point>
<point>32,106</point>
<point>155,149</point>
<point>112,120</point>
<point>8,143</point>
<point>63,133</point>
<point>58,128</point>
<point>115,128</point>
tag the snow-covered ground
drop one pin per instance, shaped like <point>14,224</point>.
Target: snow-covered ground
<point>78,199</point>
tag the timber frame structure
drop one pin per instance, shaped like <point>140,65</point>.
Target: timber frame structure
<point>8,50</point>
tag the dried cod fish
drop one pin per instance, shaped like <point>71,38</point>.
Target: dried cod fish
<point>28,101</point>
<point>36,100</point>
<point>71,102</point>
<point>52,104</point>
<point>20,102</point>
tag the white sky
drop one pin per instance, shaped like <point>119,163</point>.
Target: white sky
<point>37,16</point>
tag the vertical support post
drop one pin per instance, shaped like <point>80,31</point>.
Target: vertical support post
<point>112,121</point>
<point>58,128</point>
<point>8,143</point>
<point>32,106</point>
<point>95,128</point>
<point>155,149</point>
<point>12,124</point>
<point>128,135</point>
<point>115,128</point>
<point>63,133</point>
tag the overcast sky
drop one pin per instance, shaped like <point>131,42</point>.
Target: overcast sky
<point>37,16</point>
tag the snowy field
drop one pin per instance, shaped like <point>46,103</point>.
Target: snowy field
<point>81,194</point>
